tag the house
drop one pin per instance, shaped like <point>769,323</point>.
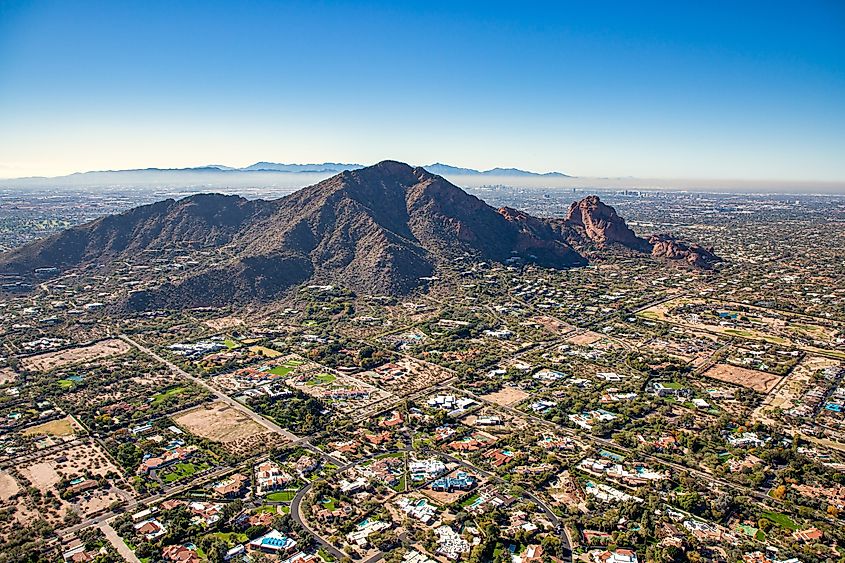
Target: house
<point>378,439</point>
<point>616,556</point>
<point>810,535</point>
<point>462,481</point>
<point>661,389</point>
<point>169,457</point>
<point>419,509</point>
<point>180,554</point>
<point>354,486</point>
<point>270,477</point>
<point>362,531</point>
<point>395,419</point>
<point>150,529</point>
<point>501,457</point>
<point>273,542</point>
<point>451,544</point>
<point>422,470</point>
<point>301,557</point>
<point>233,486</point>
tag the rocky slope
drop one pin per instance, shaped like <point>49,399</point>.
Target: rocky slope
<point>667,246</point>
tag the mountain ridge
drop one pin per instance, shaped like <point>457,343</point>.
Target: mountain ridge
<point>379,229</point>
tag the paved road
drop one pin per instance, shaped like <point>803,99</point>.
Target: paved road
<point>118,543</point>
<point>296,514</point>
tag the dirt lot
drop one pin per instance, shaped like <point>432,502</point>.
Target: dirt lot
<point>69,463</point>
<point>222,423</point>
<point>506,396</point>
<point>8,486</point>
<point>585,338</point>
<point>753,379</point>
<point>553,325</point>
<point>7,375</point>
<point>95,351</point>
<point>61,427</point>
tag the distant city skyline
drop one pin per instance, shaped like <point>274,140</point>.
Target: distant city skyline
<point>752,91</point>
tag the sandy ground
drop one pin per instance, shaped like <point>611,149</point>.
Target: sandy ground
<point>222,423</point>
<point>61,427</point>
<point>506,396</point>
<point>96,351</point>
<point>753,379</point>
<point>7,375</point>
<point>41,475</point>
<point>72,462</point>
<point>553,325</point>
<point>8,486</point>
<point>585,338</point>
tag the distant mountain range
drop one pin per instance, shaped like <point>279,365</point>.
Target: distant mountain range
<point>325,168</point>
<point>382,229</point>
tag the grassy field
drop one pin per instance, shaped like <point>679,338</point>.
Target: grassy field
<point>230,538</point>
<point>231,344</point>
<point>281,370</point>
<point>182,470</point>
<point>781,520</point>
<point>321,379</point>
<point>159,397</point>
<point>469,500</point>
<point>282,496</point>
<point>60,427</point>
<point>265,351</point>
<point>328,504</point>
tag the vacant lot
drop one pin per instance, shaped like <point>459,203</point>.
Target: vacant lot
<point>61,427</point>
<point>61,358</point>
<point>506,396</point>
<point>753,379</point>
<point>553,325</point>
<point>8,486</point>
<point>222,423</point>
<point>7,375</point>
<point>585,338</point>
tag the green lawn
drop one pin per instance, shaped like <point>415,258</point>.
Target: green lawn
<point>324,555</point>
<point>400,486</point>
<point>281,370</point>
<point>231,344</point>
<point>65,383</point>
<point>231,538</point>
<point>282,496</point>
<point>394,454</point>
<point>671,385</point>
<point>781,520</point>
<point>329,503</point>
<point>159,397</point>
<point>470,500</point>
<point>182,470</point>
<point>321,379</point>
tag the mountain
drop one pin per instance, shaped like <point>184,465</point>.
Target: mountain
<point>448,170</point>
<point>299,168</point>
<point>598,223</point>
<point>378,229</point>
<point>280,177</point>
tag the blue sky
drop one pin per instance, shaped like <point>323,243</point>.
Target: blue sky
<point>745,90</point>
